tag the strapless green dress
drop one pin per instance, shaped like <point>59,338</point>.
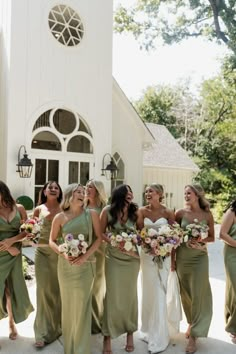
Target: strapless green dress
<point>76,284</point>
<point>230,289</point>
<point>12,274</point>
<point>99,286</point>
<point>192,267</point>
<point>121,302</point>
<point>47,324</point>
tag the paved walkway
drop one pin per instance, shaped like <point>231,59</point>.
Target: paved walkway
<point>218,341</point>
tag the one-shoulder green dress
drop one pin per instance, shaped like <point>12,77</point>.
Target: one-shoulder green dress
<point>192,267</point>
<point>121,302</point>
<point>11,274</point>
<point>76,285</point>
<point>230,290</point>
<point>99,286</point>
<point>47,324</point>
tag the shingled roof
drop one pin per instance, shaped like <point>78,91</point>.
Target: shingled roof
<point>166,151</point>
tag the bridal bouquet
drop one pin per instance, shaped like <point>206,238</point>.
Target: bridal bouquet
<point>160,242</point>
<point>73,247</point>
<point>32,227</point>
<point>124,241</point>
<point>198,231</point>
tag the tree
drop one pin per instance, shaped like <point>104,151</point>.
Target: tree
<point>175,107</point>
<point>175,20</point>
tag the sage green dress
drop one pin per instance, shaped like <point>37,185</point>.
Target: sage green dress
<point>76,285</point>
<point>192,268</point>
<point>11,274</point>
<point>121,302</point>
<point>99,286</point>
<point>230,290</point>
<point>47,324</point>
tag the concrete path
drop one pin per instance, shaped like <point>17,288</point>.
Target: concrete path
<point>218,341</point>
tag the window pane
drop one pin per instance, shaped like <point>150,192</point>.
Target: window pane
<point>64,121</point>
<point>53,167</point>
<point>46,141</point>
<point>84,172</point>
<point>73,172</point>
<point>40,172</point>
<point>79,144</point>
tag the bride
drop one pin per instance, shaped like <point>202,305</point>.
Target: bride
<point>154,328</point>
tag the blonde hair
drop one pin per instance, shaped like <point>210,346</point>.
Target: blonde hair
<point>101,198</point>
<point>200,193</point>
<point>159,189</point>
<point>67,195</point>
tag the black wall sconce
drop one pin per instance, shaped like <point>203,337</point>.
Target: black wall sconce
<point>24,166</point>
<point>109,169</point>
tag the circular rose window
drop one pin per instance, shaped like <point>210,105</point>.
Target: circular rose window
<point>65,25</point>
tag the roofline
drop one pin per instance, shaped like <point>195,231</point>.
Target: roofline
<point>196,169</point>
<point>133,108</point>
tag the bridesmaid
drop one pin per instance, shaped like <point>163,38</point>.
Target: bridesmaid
<point>95,198</point>
<point>121,271</point>
<point>193,269</point>
<point>154,328</point>
<point>228,235</point>
<point>14,298</point>
<point>47,324</point>
<point>76,274</point>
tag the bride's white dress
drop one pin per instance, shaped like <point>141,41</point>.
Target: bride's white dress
<point>154,315</point>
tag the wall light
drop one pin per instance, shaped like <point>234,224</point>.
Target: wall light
<point>109,168</point>
<point>24,166</point>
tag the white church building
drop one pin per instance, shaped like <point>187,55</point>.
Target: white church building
<point>59,101</point>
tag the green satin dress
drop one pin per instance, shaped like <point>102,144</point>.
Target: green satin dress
<point>230,290</point>
<point>76,285</point>
<point>121,302</point>
<point>47,324</point>
<point>192,268</point>
<point>12,274</point>
<point>99,286</point>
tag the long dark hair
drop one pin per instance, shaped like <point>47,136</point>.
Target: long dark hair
<point>43,198</point>
<point>118,202</point>
<point>7,199</point>
<point>231,206</point>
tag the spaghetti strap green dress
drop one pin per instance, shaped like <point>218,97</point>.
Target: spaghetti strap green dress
<point>121,302</point>
<point>47,324</point>
<point>192,268</point>
<point>76,285</point>
<point>99,286</point>
<point>11,274</point>
<point>230,290</point>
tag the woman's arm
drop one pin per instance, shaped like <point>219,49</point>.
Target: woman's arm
<point>97,230</point>
<point>170,216</point>
<point>227,222</point>
<point>104,223</point>
<point>55,229</point>
<point>140,219</point>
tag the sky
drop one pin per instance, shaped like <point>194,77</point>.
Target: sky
<point>135,69</point>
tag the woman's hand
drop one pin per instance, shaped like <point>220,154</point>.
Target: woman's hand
<point>79,260</point>
<point>6,244</point>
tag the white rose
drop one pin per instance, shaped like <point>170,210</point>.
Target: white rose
<point>152,232</point>
<point>63,248</point>
<point>164,230</point>
<point>74,251</point>
<point>81,237</point>
<point>124,235</point>
<point>186,238</point>
<point>128,246</point>
<point>84,244</point>
<point>119,238</point>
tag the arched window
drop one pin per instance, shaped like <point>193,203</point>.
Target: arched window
<point>121,171</point>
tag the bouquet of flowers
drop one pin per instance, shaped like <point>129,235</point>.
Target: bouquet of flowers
<point>32,227</point>
<point>125,241</point>
<point>73,247</point>
<point>198,231</point>
<point>159,243</point>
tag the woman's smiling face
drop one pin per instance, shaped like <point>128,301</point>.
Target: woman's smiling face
<point>78,194</point>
